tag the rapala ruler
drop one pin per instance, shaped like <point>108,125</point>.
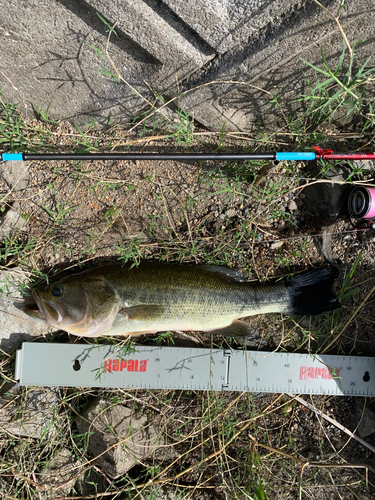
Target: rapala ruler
<point>82,365</point>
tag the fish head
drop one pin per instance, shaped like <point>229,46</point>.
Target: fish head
<point>85,306</point>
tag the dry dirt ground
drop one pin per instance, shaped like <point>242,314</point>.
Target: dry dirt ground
<point>250,216</point>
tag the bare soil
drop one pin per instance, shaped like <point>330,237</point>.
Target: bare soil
<point>233,215</point>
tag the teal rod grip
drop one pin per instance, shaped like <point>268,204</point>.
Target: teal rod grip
<point>12,156</point>
<point>295,156</point>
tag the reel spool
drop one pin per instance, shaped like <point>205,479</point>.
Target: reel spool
<point>361,205</point>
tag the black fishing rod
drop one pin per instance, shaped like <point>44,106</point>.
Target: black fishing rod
<point>318,153</point>
<point>361,200</point>
<point>153,156</point>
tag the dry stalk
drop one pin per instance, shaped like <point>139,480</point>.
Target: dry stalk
<point>334,422</point>
<point>352,316</point>
<point>16,89</point>
<point>336,19</point>
<point>306,463</point>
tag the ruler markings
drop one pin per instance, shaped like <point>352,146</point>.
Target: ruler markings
<point>75,365</point>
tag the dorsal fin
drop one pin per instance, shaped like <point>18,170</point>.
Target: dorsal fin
<point>233,274</point>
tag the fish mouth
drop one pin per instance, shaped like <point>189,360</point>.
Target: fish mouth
<point>44,310</point>
<point>33,309</point>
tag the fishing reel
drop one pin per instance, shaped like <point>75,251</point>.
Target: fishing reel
<point>361,205</point>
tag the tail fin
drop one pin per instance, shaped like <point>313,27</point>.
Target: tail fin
<point>312,292</point>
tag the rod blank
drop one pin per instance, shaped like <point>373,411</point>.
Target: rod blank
<point>150,156</point>
<point>158,156</point>
<point>325,154</point>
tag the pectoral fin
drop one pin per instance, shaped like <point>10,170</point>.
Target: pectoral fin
<point>235,329</point>
<point>143,312</point>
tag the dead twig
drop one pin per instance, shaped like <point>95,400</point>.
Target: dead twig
<point>16,89</point>
<point>352,316</point>
<point>336,19</point>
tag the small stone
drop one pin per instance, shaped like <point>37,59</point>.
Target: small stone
<point>305,322</point>
<point>364,418</point>
<point>120,438</point>
<point>61,475</point>
<point>15,174</point>
<point>277,244</point>
<point>35,418</point>
<point>11,222</point>
<point>292,205</point>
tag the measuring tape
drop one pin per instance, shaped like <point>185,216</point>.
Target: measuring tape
<point>147,367</point>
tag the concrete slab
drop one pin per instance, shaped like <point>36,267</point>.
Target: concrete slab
<point>272,60</point>
<point>52,51</point>
<point>180,55</point>
<point>225,24</point>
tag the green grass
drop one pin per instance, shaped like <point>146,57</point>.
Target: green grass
<point>340,90</point>
<point>239,445</point>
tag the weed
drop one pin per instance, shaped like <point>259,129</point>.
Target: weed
<point>110,29</point>
<point>59,215</point>
<point>130,251</point>
<point>164,338</point>
<point>183,128</point>
<point>15,134</point>
<point>109,74</point>
<point>220,146</point>
<point>86,145</point>
<point>111,213</point>
<point>43,115</point>
<point>17,250</point>
<point>98,52</point>
<point>339,89</point>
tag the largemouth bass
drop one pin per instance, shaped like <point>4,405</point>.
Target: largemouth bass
<point>154,297</point>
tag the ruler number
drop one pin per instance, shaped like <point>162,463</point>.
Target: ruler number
<point>287,365</point>
<point>290,380</point>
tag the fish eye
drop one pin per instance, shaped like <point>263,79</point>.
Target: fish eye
<point>57,290</point>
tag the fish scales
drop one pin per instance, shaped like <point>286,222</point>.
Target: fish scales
<point>115,300</point>
<point>194,297</point>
